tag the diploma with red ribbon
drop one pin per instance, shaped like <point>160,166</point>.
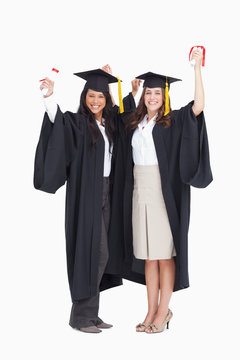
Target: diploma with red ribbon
<point>52,76</point>
<point>192,62</point>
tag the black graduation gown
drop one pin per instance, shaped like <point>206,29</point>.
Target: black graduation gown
<point>64,154</point>
<point>183,158</point>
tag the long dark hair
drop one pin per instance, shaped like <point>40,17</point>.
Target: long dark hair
<point>137,116</point>
<point>108,116</point>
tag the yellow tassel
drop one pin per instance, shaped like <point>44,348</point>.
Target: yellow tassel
<point>121,108</point>
<point>167,109</point>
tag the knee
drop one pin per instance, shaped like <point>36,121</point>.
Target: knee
<point>165,261</point>
<point>151,262</point>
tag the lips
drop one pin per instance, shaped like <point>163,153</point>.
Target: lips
<point>95,107</point>
<point>152,102</point>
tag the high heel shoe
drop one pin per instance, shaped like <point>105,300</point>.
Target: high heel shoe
<point>143,326</point>
<point>161,328</point>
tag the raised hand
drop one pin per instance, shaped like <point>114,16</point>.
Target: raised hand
<point>197,56</point>
<point>49,84</point>
<point>135,86</point>
<point>107,68</point>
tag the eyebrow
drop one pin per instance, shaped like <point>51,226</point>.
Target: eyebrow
<point>92,93</point>
<point>154,90</point>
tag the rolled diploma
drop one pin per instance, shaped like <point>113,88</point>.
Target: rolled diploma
<point>52,77</point>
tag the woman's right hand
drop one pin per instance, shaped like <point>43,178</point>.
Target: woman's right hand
<point>49,84</point>
<point>135,86</point>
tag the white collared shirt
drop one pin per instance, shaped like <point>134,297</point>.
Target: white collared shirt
<point>107,154</point>
<point>143,148</point>
<point>51,109</point>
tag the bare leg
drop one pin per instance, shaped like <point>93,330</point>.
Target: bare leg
<point>152,282</point>
<point>167,277</point>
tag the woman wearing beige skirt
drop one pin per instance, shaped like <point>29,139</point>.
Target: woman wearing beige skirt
<point>151,231</point>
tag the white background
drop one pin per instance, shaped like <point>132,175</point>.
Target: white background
<point>133,37</point>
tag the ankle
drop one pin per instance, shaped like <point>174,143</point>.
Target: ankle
<point>152,313</point>
<point>161,313</point>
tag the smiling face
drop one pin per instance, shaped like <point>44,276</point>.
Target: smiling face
<point>153,99</point>
<point>95,101</point>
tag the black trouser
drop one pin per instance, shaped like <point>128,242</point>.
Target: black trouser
<point>84,313</point>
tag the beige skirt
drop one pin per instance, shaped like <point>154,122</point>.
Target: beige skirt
<point>152,236</point>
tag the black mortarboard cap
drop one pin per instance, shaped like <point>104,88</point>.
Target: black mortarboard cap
<point>97,79</point>
<point>152,80</point>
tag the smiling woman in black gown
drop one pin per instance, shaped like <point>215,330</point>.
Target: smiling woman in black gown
<point>165,152</point>
<point>80,149</point>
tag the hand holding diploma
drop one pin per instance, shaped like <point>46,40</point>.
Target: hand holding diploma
<point>48,83</point>
<point>197,55</point>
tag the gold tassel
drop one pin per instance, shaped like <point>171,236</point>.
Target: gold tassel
<point>167,109</point>
<point>121,108</point>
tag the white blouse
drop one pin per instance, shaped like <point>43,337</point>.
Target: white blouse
<point>107,154</point>
<point>143,148</point>
<point>51,109</point>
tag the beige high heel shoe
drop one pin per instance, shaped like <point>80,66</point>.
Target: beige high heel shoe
<point>143,326</point>
<point>161,328</point>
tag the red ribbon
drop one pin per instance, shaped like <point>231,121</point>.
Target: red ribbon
<point>204,51</point>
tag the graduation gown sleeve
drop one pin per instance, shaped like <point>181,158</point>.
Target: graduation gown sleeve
<point>128,105</point>
<point>55,151</point>
<point>194,162</point>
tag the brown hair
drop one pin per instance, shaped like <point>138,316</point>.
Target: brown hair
<point>137,116</point>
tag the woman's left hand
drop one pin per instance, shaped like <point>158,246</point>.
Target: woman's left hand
<point>107,68</point>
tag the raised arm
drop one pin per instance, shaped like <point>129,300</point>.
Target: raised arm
<point>58,143</point>
<point>199,100</point>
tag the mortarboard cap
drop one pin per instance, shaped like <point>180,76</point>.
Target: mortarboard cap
<point>98,80</point>
<point>153,80</point>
